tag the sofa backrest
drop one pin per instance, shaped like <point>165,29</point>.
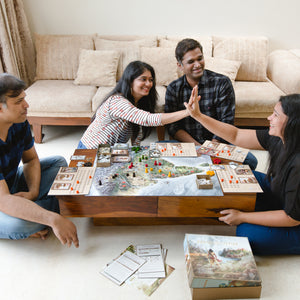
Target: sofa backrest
<point>252,52</point>
<point>57,56</point>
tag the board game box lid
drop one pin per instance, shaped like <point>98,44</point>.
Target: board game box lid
<point>219,261</point>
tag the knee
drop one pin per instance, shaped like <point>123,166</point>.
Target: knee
<point>16,229</point>
<point>59,161</point>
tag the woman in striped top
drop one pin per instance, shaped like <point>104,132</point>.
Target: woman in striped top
<point>128,111</point>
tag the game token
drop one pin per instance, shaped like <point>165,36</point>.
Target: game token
<point>146,170</point>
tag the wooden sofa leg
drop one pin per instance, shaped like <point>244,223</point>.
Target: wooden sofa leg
<point>160,130</point>
<point>37,132</point>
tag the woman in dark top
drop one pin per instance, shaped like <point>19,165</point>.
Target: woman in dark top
<point>274,226</point>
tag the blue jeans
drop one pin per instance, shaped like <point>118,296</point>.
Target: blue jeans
<point>15,228</point>
<point>81,145</point>
<point>266,240</point>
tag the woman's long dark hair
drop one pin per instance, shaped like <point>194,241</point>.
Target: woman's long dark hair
<point>279,158</point>
<point>123,87</point>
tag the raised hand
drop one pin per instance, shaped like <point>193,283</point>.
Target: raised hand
<point>193,105</point>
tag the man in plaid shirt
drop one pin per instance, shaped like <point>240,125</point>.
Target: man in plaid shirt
<point>216,91</point>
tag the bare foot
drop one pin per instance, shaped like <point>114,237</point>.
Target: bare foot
<point>41,234</point>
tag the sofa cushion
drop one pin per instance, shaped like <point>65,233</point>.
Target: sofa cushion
<point>287,63</point>
<point>223,66</point>
<point>256,99</point>
<point>296,52</point>
<point>251,51</point>
<point>98,98</point>
<point>171,41</point>
<point>163,62</point>
<point>130,50</point>
<point>57,56</point>
<point>59,96</point>
<point>97,67</point>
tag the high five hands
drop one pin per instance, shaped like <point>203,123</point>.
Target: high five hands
<point>191,107</point>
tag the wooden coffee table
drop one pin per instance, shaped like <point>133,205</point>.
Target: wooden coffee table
<point>152,210</point>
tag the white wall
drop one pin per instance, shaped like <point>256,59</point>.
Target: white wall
<point>276,19</point>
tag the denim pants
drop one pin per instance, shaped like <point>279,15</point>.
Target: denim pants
<point>266,240</point>
<point>15,228</point>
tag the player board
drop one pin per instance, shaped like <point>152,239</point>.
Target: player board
<point>72,181</point>
<point>224,151</point>
<point>237,179</point>
<point>174,149</point>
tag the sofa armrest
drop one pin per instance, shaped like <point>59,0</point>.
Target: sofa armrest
<point>284,70</point>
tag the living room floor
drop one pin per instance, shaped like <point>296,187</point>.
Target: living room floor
<point>34,269</point>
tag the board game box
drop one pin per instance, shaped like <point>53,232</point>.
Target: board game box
<point>214,261</point>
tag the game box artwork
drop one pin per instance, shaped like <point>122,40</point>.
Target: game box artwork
<point>220,262</point>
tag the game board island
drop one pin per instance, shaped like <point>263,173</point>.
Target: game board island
<point>154,190</point>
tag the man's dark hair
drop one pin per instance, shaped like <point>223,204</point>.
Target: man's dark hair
<point>10,86</point>
<point>184,46</point>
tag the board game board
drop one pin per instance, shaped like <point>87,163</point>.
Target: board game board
<point>237,179</point>
<point>224,151</point>
<point>154,176</point>
<point>72,181</point>
<point>175,149</point>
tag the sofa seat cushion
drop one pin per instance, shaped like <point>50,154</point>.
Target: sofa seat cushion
<point>59,96</point>
<point>98,98</point>
<point>255,99</point>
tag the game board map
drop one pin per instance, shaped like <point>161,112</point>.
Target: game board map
<point>223,151</point>
<point>219,261</point>
<point>72,181</point>
<point>237,179</point>
<point>151,176</point>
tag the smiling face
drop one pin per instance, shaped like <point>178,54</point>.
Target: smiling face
<point>192,65</point>
<point>15,109</point>
<point>277,121</point>
<point>142,85</point>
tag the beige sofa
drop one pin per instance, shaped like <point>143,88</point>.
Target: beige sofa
<point>75,72</point>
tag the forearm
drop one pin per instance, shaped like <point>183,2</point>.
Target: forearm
<point>32,174</point>
<point>22,208</point>
<point>226,131</point>
<point>167,118</point>
<point>182,136</point>
<point>274,218</point>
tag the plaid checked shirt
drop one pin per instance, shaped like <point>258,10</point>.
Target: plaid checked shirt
<point>217,101</point>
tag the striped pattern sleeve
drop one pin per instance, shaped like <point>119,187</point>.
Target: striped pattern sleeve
<point>120,107</point>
